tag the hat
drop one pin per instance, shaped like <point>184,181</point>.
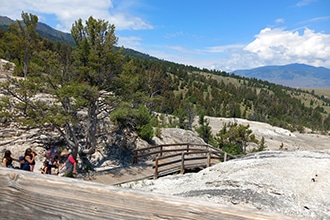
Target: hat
<point>64,152</point>
<point>21,158</point>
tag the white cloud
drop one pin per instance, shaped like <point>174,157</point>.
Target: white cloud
<point>270,47</point>
<point>129,42</point>
<point>317,19</point>
<point>282,47</point>
<point>67,12</point>
<point>279,20</point>
<point>127,22</point>
<point>223,49</point>
<point>304,2</point>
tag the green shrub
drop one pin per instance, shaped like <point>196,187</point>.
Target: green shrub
<point>135,119</point>
<point>146,132</point>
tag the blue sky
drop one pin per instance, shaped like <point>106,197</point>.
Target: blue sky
<point>213,34</point>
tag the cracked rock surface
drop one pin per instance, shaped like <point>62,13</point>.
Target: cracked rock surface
<point>293,183</point>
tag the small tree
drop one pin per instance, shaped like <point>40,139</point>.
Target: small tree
<point>262,146</point>
<point>234,138</point>
<point>204,129</point>
<point>180,113</point>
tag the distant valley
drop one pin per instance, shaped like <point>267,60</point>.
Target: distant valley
<point>291,75</point>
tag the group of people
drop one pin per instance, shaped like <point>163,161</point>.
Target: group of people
<point>27,162</point>
<point>51,164</point>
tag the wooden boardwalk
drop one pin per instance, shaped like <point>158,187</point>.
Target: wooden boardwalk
<point>121,175</point>
<point>167,159</point>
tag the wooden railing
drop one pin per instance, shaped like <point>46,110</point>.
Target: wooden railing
<point>171,158</point>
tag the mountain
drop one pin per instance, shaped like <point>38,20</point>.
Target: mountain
<point>292,75</point>
<point>43,30</point>
<point>137,54</point>
<point>54,35</point>
<point>5,22</point>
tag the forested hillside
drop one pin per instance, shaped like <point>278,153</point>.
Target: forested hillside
<point>97,77</point>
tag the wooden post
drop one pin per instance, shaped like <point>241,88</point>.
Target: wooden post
<point>156,168</point>
<point>225,157</point>
<point>209,159</point>
<point>135,157</point>
<point>182,163</point>
<point>161,150</point>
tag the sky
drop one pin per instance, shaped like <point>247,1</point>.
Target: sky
<point>214,34</point>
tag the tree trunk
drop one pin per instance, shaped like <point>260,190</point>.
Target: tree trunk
<point>26,62</point>
<point>91,128</point>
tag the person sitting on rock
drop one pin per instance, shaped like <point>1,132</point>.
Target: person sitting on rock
<point>7,160</point>
<point>45,169</point>
<point>30,156</point>
<point>56,165</point>
<point>48,160</point>
<point>24,165</point>
<point>51,156</point>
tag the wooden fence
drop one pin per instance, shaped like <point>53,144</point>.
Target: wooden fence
<point>171,158</point>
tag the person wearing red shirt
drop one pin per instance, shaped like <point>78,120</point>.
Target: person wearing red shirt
<point>70,164</point>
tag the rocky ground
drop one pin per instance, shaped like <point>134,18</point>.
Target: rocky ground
<point>275,136</point>
<point>294,181</point>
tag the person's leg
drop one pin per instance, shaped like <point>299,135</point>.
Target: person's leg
<point>31,168</point>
